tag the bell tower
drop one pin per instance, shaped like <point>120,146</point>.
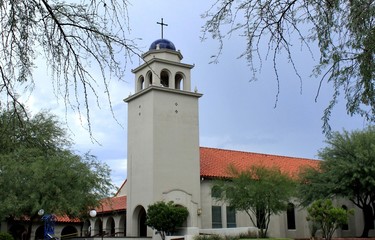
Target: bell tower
<point>163,138</point>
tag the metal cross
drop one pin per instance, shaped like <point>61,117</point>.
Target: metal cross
<point>162,25</point>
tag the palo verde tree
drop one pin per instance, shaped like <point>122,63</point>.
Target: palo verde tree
<point>165,217</point>
<point>347,171</point>
<point>327,217</point>
<point>259,191</point>
<point>72,37</point>
<point>39,170</point>
<point>343,30</point>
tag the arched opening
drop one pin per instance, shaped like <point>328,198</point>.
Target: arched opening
<point>39,233</point>
<point>140,83</point>
<point>110,227</point>
<point>179,81</point>
<point>69,232</point>
<point>142,223</point>
<point>139,218</point>
<point>149,78</point>
<point>164,78</point>
<point>18,232</point>
<point>291,216</point>
<point>98,227</point>
<point>122,226</point>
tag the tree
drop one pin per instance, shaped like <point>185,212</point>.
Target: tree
<point>258,191</point>
<point>72,38</point>
<point>343,30</point>
<point>328,217</point>
<point>166,217</point>
<point>348,171</point>
<point>38,170</point>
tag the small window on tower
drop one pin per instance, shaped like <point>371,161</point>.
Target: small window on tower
<point>179,81</point>
<point>164,78</point>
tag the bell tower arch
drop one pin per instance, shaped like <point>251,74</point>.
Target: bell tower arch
<point>163,135</point>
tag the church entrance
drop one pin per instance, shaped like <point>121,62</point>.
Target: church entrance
<point>142,223</point>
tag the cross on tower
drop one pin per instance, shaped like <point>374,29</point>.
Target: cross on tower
<point>162,24</point>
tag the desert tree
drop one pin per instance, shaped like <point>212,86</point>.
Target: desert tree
<point>40,170</point>
<point>327,217</point>
<point>344,32</point>
<point>258,191</point>
<point>347,171</point>
<point>166,217</point>
<point>73,38</point>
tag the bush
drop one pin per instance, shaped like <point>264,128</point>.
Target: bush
<point>5,236</point>
<point>215,237</point>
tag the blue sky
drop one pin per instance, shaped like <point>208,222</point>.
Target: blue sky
<point>234,113</point>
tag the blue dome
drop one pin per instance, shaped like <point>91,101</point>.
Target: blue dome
<point>162,44</point>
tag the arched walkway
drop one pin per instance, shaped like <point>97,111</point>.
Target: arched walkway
<point>39,233</point>
<point>110,227</point>
<point>18,232</point>
<point>69,232</point>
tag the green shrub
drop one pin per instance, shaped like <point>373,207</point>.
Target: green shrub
<point>5,236</point>
<point>215,237</point>
<point>249,234</point>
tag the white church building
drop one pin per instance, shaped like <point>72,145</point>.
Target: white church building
<point>166,163</point>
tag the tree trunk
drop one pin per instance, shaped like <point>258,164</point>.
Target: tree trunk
<point>368,218</point>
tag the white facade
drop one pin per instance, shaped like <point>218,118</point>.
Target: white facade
<point>163,153</point>
<point>163,139</point>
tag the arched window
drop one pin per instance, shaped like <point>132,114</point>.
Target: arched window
<point>149,78</point>
<point>140,83</point>
<point>179,81</point>
<point>291,216</point>
<point>164,78</point>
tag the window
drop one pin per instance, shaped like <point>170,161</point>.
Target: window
<point>179,81</point>
<point>231,217</point>
<point>164,78</point>
<point>291,216</point>
<point>345,226</point>
<point>216,217</point>
<point>215,192</point>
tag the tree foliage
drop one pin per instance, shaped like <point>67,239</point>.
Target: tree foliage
<point>38,170</point>
<point>348,171</point>
<point>343,30</point>
<point>166,217</point>
<point>72,38</point>
<point>258,191</point>
<point>6,236</point>
<point>327,217</point>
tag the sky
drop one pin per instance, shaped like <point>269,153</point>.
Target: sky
<point>234,112</point>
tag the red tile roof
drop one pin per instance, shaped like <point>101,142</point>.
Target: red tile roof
<point>214,162</point>
<point>66,219</point>
<point>112,204</point>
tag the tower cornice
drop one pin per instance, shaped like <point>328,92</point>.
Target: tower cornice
<point>159,60</point>
<point>160,88</point>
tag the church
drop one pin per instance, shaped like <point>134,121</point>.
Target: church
<point>166,163</point>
